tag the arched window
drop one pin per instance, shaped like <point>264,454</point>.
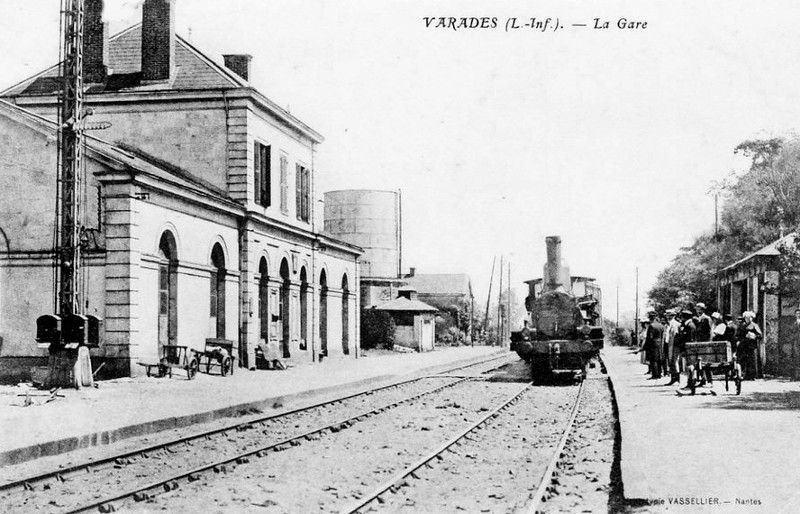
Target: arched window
<point>263,300</point>
<point>345,316</point>
<point>284,308</point>
<point>217,296</point>
<point>323,313</point>
<point>303,309</point>
<point>167,290</point>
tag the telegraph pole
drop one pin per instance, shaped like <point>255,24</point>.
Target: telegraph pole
<point>499,333</point>
<point>637,307</point>
<point>489,298</point>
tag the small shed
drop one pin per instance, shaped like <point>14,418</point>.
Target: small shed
<point>753,283</point>
<point>414,326</point>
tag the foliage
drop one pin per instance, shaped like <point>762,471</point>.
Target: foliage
<point>758,206</point>
<point>377,329</point>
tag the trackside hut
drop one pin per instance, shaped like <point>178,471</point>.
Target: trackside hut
<point>202,207</point>
<point>414,326</point>
<point>753,284</point>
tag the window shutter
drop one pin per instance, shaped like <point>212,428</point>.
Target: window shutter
<point>298,176</point>
<point>257,173</point>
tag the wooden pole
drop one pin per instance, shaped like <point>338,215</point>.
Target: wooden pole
<point>489,298</point>
<point>508,307</point>
<point>499,332</point>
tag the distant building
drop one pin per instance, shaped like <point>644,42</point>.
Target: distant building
<point>198,199</point>
<point>414,323</point>
<point>451,294</point>
<point>752,284</point>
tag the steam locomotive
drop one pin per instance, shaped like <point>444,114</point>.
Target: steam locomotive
<point>563,332</point>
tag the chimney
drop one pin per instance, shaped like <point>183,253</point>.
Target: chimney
<point>552,269</point>
<point>412,272</point>
<point>239,64</point>
<point>158,40</point>
<point>95,43</point>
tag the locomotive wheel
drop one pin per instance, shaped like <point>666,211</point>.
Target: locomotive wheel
<point>226,366</point>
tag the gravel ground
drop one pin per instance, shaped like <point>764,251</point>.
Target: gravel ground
<point>328,473</point>
<point>497,468</point>
<point>103,480</point>
<point>587,479</point>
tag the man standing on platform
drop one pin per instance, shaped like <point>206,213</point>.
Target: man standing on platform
<point>653,344</point>
<point>670,333</point>
<point>703,323</point>
<point>686,334</point>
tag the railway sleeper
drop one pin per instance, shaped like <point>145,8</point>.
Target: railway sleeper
<point>107,507</point>
<point>142,496</point>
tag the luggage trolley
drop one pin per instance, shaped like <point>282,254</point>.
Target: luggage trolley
<point>707,358</point>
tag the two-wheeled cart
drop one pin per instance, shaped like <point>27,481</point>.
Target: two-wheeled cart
<point>705,359</point>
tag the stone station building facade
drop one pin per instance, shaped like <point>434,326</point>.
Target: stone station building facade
<point>198,204</point>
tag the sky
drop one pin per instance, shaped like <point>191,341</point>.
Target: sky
<point>611,138</point>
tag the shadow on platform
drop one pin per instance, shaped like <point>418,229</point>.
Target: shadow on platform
<point>784,400</point>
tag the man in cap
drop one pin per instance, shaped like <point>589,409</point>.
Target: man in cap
<point>652,344</point>
<point>670,333</point>
<point>703,323</point>
<point>686,334</point>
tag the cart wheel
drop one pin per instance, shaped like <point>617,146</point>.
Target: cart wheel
<point>162,370</point>
<point>226,366</point>
<point>192,368</point>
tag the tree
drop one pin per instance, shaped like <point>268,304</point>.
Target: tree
<point>758,205</point>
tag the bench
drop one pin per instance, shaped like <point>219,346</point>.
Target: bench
<point>173,356</point>
<point>218,352</point>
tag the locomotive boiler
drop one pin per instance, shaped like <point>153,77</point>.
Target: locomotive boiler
<point>563,332</point>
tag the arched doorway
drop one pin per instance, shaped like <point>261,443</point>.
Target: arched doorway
<point>284,308</point>
<point>345,316</point>
<point>217,296</point>
<point>323,313</point>
<point>303,309</point>
<point>167,291</point>
<point>263,300</point>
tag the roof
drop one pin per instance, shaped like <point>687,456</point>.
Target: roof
<point>194,71</point>
<point>770,250</point>
<point>440,283</point>
<point>405,305</point>
<point>126,157</point>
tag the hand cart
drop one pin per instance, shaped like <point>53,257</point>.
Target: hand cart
<point>707,358</point>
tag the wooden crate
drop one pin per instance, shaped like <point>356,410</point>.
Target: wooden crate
<point>710,352</point>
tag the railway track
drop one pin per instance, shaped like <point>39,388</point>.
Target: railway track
<point>20,491</point>
<point>384,497</point>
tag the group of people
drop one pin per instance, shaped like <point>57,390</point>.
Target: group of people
<point>662,341</point>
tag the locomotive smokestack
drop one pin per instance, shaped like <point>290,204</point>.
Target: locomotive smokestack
<point>552,269</point>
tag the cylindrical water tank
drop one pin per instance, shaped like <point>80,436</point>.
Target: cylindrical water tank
<point>370,219</point>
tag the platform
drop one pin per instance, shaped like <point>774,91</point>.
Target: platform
<point>124,408</point>
<point>706,453</point>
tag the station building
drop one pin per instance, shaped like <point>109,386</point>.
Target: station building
<point>198,207</point>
